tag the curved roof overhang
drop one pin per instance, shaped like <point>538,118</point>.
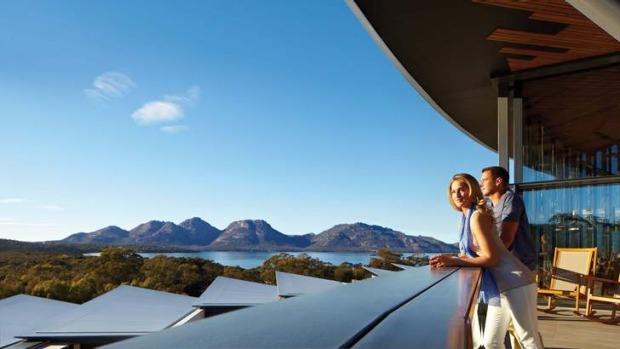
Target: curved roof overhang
<point>455,53</point>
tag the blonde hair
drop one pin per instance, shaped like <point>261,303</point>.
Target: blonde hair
<point>475,193</point>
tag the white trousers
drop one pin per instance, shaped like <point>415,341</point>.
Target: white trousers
<point>519,305</point>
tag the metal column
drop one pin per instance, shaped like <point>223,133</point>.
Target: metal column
<point>517,133</point>
<point>502,127</point>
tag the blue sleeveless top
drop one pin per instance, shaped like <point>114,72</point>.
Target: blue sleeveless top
<point>489,292</point>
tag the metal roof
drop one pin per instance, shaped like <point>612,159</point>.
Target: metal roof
<point>22,313</point>
<point>378,272</point>
<point>294,285</point>
<point>123,312</point>
<point>225,291</point>
<point>342,316</point>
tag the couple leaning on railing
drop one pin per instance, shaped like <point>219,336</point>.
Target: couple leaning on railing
<point>508,285</point>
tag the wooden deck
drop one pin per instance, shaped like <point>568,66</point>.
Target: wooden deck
<point>564,329</point>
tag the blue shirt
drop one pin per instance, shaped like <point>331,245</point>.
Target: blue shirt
<point>510,208</point>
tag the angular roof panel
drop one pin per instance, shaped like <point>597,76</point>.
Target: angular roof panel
<point>379,272</point>
<point>22,313</point>
<point>403,266</point>
<point>294,285</point>
<point>124,311</point>
<point>225,291</point>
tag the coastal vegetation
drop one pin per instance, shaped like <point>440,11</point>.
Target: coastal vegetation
<point>73,277</point>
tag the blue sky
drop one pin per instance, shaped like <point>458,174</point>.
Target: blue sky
<point>121,112</point>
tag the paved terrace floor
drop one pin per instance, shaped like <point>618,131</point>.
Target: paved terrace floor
<point>562,329</point>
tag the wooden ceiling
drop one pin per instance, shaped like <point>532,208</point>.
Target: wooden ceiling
<point>581,110</point>
<point>579,39</point>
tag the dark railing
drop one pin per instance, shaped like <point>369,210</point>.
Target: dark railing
<point>420,308</point>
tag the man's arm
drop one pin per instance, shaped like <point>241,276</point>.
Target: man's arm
<point>508,233</point>
<point>511,213</point>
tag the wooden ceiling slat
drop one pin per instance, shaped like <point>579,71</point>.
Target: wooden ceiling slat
<point>538,53</point>
<point>516,36</point>
<point>575,29</point>
<point>560,18</point>
<point>581,109</point>
<point>534,6</point>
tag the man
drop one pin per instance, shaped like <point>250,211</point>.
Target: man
<point>511,223</point>
<point>510,216</point>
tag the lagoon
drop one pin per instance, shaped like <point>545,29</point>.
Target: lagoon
<point>248,260</point>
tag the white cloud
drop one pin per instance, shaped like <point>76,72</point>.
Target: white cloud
<point>11,201</point>
<point>5,219</point>
<point>167,110</point>
<point>190,98</point>
<point>110,85</point>
<point>174,129</point>
<point>50,207</point>
<point>157,112</point>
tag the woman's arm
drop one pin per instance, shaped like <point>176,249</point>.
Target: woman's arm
<point>482,228</point>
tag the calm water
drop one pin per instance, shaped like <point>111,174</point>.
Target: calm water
<point>255,259</point>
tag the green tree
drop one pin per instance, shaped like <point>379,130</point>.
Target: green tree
<point>115,266</point>
<point>386,258</point>
<point>177,275</point>
<point>83,288</point>
<point>53,288</point>
<point>252,274</point>
<point>301,265</point>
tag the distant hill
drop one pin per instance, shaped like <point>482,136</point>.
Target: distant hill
<point>42,247</point>
<point>191,232</point>
<point>111,235</point>
<point>258,235</point>
<point>364,237</point>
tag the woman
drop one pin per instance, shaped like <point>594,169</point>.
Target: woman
<point>507,285</point>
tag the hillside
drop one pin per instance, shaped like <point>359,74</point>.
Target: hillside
<point>258,235</point>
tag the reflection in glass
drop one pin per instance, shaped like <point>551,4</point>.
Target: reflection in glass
<point>576,216</point>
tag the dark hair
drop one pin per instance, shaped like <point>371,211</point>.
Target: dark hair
<point>498,171</point>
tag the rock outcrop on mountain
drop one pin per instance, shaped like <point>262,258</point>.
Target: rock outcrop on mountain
<point>364,237</point>
<point>258,235</point>
<point>201,232</point>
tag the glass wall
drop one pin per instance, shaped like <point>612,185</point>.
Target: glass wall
<point>583,215</point>
<point>571,163</point>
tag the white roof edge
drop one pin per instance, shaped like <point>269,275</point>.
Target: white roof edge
<point>604,13</point>
<point>375,36</point>
<point>196,314</point>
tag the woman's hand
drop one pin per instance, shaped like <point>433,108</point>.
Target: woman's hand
<point>444,260</point>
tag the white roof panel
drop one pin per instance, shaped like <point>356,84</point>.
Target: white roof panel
<point>294,285</point>
<point>379,272</point>
<point>124,311</point>
<point>403,266</point>
<point>22,313</point>
<point>225,291</point>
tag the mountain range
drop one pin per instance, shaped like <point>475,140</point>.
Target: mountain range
<point>258,235</point>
